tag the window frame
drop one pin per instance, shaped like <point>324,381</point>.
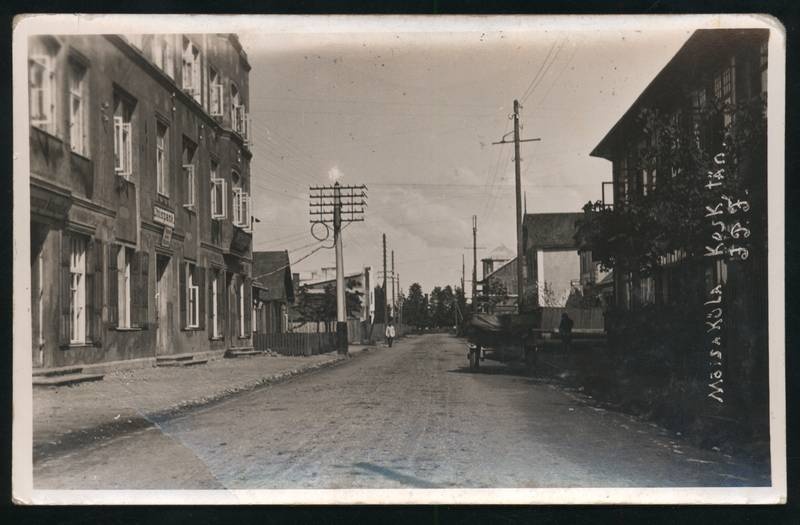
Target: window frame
<point>192,290</point>
<point>162,159</point>
<point>190,181</point>
<point>78,71</point>
<point>191,60</point>
<point>218,200</point>
<point>214,309</point>
<point>125,256</point>
<point>46,61</point>
<point>78,272</point>
<point>215,92</point>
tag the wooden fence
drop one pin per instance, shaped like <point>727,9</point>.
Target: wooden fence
<point>584,318</point>
<point>306,340</point>
<point>295,343</point>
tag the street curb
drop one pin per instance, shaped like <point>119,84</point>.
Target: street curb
<point>74,440</point>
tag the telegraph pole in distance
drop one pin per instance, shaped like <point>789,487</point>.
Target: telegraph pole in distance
<point>518,185</point>
<point>385,305</point>
<point>394,301</point>
<point>334,205</point>
<point>474,257</point>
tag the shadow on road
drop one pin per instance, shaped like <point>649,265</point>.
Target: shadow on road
<point>411,481</point>
<point>506,370</point>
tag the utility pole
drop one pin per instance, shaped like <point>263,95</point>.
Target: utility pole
<point>394,300</point>
<point>462,273</point>
<point>385,306</point>
<point>474,257</point>
<point>518,186</point>
<point>334,205</point>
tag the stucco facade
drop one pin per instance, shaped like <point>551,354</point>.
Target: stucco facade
<point>123,150</point>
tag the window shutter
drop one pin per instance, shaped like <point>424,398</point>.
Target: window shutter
<point>246,222</point>
<point>201,286</point>
<point>66,290</point>
<point>97,320</point>
<point>214,184</point>
<point>210,296</point>
<point>128,161</point>
<point>248,306</point>
<point>135,286</point>
<point>183,291</point>
<point>118,164</point>
<point>113,285</point>
<point>144,289</point>
<point>90,285</point>
<point>224,198</point>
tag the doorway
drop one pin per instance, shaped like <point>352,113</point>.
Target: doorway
<point>164,315</point>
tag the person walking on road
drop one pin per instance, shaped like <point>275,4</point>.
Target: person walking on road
<point>565,331</point>
<point>390,333</point>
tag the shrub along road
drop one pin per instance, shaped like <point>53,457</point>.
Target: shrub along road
<point>409,416</point>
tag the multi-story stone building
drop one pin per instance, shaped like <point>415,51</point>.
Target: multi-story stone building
<point>140,207</point>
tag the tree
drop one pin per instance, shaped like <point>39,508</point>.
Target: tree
<point>414,311</point>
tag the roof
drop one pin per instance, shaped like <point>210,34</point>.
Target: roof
<point>550,230</point>
<point>272,272</point>
<point>699,51</point>
<point>501,253</point>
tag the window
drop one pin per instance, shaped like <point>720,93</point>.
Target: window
<point>125,256</point>
<point>241,209</point>
<point>238,114</point>
<point>218,194</point>
<point>192,296</point>
<point>215,92</point>
<point>724,91</point>
<point>162,159</point>
<point>77,108</point>
<point>216,328</point>
<point>190,74</point>
<point>41,79</point>
<point>189,181</point>
<point>77,300</point>
<point>123,139</point>
<point>163,56</point>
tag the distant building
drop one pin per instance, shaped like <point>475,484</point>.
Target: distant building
<point>497,258</point>
<point>502,279</point>
<point>359,283</point>
<point>273,291</point>
<point>140,196</point>
<point>553,268</point>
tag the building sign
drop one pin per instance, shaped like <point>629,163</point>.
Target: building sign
<point>166,238</point>
<point>162,216</point>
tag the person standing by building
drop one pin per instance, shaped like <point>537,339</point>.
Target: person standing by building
<point>390,333</point>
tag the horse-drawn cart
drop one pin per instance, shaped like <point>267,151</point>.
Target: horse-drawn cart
<point>503,337</point>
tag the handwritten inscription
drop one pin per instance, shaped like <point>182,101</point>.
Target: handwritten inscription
<point>727,218</point>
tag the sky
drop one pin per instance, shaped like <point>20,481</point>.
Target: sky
<point>413,114</point>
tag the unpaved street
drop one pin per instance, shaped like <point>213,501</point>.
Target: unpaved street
<point>409,416</point>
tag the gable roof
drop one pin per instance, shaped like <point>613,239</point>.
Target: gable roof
<point>550,230</point>
<point>272,271</point>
